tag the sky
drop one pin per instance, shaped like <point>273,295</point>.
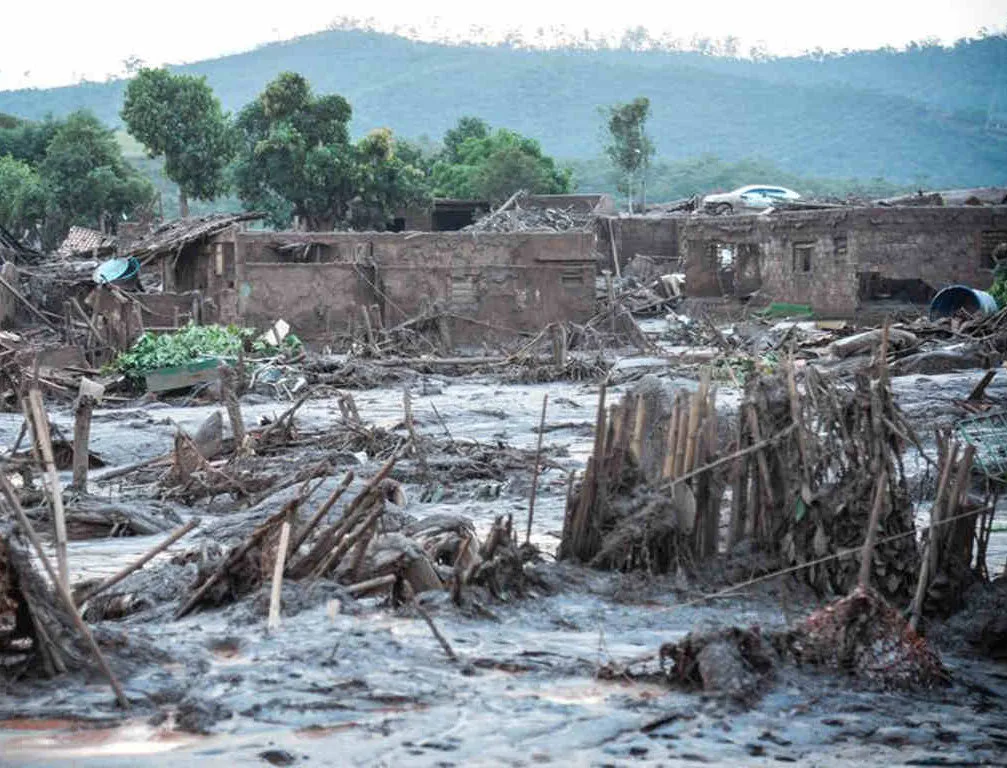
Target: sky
<point>56,42</point>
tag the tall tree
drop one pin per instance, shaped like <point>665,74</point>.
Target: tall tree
<point>295,157</point>
<point>179,117</point>
<point>296,160</point>
<point>492,166</point>
<point>87,180</point>
<point>629,148</point>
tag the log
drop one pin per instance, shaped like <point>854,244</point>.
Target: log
<point>864,342</point>
<point>111,581</point>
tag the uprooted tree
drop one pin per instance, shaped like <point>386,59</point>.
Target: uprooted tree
<point>296,159</point>
<point>179,117</point>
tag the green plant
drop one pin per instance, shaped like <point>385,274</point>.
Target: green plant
<point>186,345</point>
<point>999,288</point>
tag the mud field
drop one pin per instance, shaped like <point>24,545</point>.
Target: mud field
<point>541,678</point>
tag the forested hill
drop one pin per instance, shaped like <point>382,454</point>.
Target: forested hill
<point>928,115</point>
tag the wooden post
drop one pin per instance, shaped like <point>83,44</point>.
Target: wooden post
<point>228,388</point>
<point>538,462</point>
<point>372,345</point>
<point>90,393</point>
<point>278,567</point>
<point>671,439</point>
<point>559,344</point>
<point>35,413</point>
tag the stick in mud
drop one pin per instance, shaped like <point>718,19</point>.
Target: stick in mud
<point>11,497</point>
<point>448,650</point>
<point>34,412</point>
<point>322,511</point>
<point>867,556</point>
<point>538,463</point>
<point>111,581</point>
<point>273,622</point>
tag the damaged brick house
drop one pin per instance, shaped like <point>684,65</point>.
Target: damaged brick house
<point>482,285</point>
<point>842,260</point>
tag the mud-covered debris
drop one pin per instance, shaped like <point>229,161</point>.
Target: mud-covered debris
<point>993,638</point>
<point>37,635</point>
<point>863,635</point>
<point>734,662</point>
<point>199,716</point>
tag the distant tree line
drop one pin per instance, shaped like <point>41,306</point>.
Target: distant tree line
<point>289,153</point>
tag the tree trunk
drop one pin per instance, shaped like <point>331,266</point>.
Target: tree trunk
<point>183,204</point>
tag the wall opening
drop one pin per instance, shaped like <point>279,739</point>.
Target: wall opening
<point>452,220</point>
<point>872,286</point>
<point>802,256</point>
<point>839,248</point>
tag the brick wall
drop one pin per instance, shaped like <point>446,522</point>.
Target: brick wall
<point>825,258</point>
<point>495,283</point>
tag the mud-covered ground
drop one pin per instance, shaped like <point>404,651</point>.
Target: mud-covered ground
<point>357,682</point>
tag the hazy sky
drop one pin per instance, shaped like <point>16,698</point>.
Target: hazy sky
<point>52,42</point>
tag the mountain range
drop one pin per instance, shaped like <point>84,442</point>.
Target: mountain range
<point>927,115</point>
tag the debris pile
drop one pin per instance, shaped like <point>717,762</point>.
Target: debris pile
<point>815,468</point>
<point>647,499</point>
<point>860,635</point>
<point>512,217</point>
<point>864,636</point>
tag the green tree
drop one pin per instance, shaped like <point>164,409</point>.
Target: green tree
<point>22,197</point>
<point>27,140</point>
<point>493,166</point>
<point>296,159</point>
<point>86,178</point>
<point>468,127</point>
<point>387,180</point>
<point>629,148</point>
<point>179,117</point>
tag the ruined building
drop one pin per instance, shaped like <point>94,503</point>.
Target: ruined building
<point>842,261</point>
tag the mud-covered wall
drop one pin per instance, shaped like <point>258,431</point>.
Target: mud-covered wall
<point>835,260</point>
<point>491,284</point>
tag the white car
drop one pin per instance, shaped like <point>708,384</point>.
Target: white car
<point>752,196</point>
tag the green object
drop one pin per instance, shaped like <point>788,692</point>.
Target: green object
<point>182,376</point>
<point>801,510</point>
<point>783,309</point>
<point>988,434</point>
